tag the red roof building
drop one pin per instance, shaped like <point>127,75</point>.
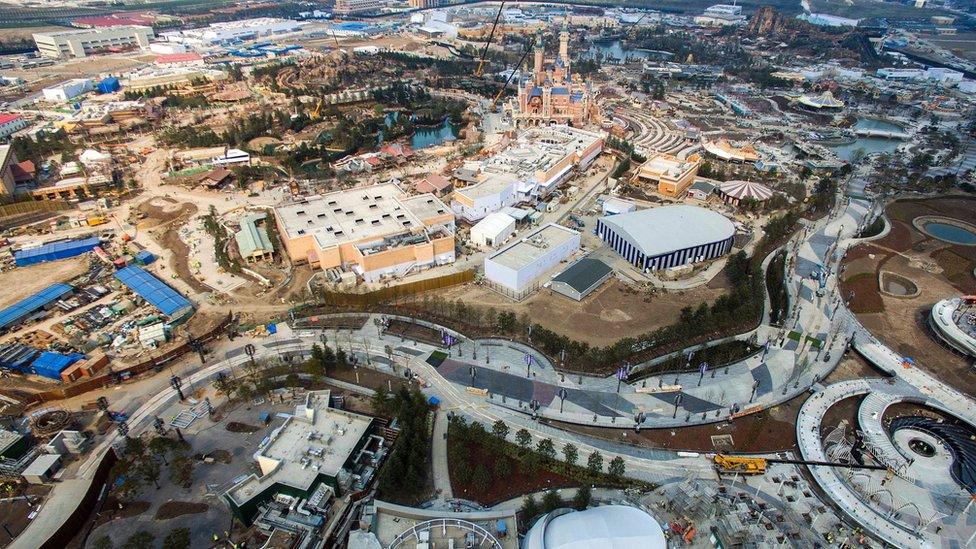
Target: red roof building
<point>437,184</point>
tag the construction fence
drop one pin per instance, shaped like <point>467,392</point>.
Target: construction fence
<point>394,293</point>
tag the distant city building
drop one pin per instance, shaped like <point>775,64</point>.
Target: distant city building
<point>671,174</point>
<point>424,3</point>
<point>185,59</point>
<point>668,236</point>
<point>826,20</point>
<point>552,94</point>
<point>721,15</point>
<point>350,7</point>
<point>82,43</point>
<point>375,231</point>
<point>10,124</point>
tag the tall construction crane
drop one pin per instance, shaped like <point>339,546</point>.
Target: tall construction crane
<point>498,96</point>
<point>484,53</point>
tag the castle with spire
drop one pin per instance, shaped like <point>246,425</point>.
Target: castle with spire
<point>552,94</point>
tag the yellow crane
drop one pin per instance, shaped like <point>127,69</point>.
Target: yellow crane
<point>747,465</point>
<point>484,53</point>
<point>317,112</point>
<point>498,96</point>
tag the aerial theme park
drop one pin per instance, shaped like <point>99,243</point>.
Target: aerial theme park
<point>426,274</point>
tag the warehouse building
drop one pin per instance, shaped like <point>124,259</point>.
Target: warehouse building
<point>67,90</point>
<point>525,169</point>
<point>307,455</point>
<point>493,230</point>
<point>23,309</point>
<point>516,269</point>
<point>85,42</point>
<point>55,250</point>
<point>581,278</point>
<point>375,231</point>
<point>667,237</point>
<point>155,291</point>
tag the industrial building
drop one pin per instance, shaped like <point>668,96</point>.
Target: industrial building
<point>67,91</point>
<point>581,278</point>
<point>516,269</point>
<point>233,32</point>
<point>54,251</point>
<point>10,124</point>
<point>306,458</point>
<point>375,231</point>
<point>23,309</point>
<point>85,42</point>
<point>493,230</point>
<point>527,168</point>
<point>155,291</point>
<point>605,526</point>
<point>671,174</point>
<point>667,237</point>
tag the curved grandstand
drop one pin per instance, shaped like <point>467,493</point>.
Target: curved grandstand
<point>954,321</point>
<point>666,237</point>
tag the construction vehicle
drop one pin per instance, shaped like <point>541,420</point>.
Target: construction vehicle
<point>484,53</point>
<point>96,220</point>
<point>744,465</point>
<point>317,112</point>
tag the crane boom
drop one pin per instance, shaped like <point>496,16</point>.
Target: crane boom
<point>498,96</point>
<point>491,35</point>
<point>748,465</point>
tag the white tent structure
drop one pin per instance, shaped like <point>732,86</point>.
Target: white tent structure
<point>606,527</point>
<point>493,230</point>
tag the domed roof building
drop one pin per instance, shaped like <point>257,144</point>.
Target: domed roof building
<point>605,527</point>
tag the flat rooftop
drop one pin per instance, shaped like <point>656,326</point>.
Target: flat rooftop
<point>97,30</point>
<point>665,164</point>
<point>532,246</point>
<point>534,150</point>
<point>317,440</point>
<point>358,214</point>
<point>391,520</point>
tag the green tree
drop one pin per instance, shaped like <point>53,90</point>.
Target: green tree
<point>481,478</point>
<point>317,360</point>
<point>382,402</point>
<point>523,438</point>
<point>502,468</point>
<point>581,500</point>
<point>149,469</point>
<point>617,468</point>
<point>178,538</point>
<point>102,542</point>
<point>140,540</point>
<point>530,508</point>
<point>551,501</point>
<point>546,449</point>
<point>135,447</point>
<point>181,470</point>
<point>595,462</point>
<point>500,430</point>
<point>571,454</point>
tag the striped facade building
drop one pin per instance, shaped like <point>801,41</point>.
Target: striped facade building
<point>667,237</point>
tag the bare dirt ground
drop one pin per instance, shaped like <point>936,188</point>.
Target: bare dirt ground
<point>25,281</point>
<point>40,77</point>
<point>26,33</point>
<point>602,317</point>
<point>939,269</point>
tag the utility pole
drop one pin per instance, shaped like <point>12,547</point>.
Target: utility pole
<point>177,384</point>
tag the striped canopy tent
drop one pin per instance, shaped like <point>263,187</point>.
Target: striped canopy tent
<point>736,191</point>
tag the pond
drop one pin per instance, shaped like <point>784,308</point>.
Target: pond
<point>951,233</point>
<point>431,137</point>
<point>619,51</point>
<point>877,124</point>
<point>869,145</point>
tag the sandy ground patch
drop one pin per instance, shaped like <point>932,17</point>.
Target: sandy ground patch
<point>25,281</point>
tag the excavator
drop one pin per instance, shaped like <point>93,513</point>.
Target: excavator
<point>484,53</point>
<point>746,465</point>
<point>317,112</point>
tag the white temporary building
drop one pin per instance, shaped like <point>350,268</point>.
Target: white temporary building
<point>608,526</point>
<point>493,230</point>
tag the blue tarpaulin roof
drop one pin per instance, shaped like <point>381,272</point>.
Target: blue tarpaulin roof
<point>26,306</point>
<point>55,251</point>
<point>145,257</point>
<point>154,290</point>
<point>51,365</point>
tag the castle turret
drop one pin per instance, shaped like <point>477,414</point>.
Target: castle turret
<point>564,46</point>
